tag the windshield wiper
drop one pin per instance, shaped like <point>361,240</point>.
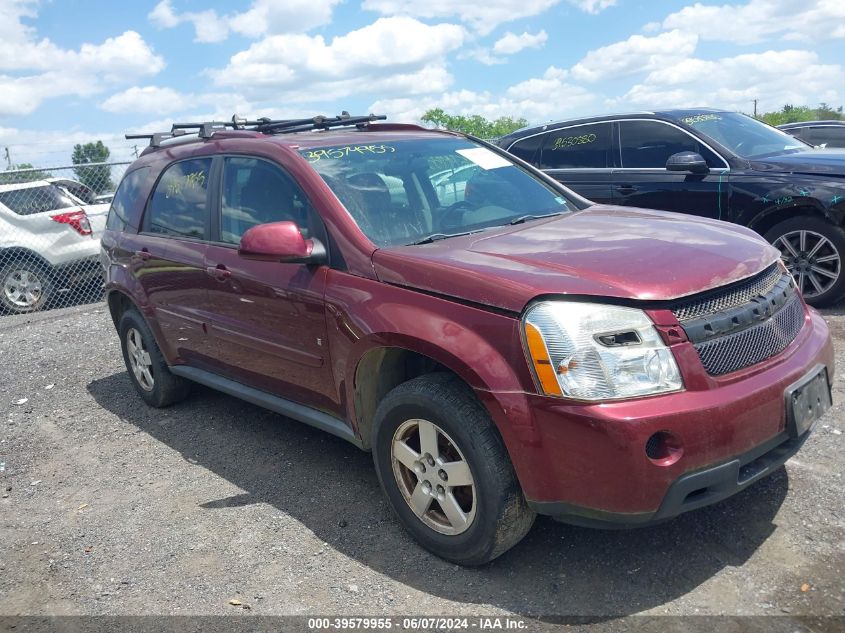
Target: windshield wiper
<point>434,237</point>
<point>525,218</point>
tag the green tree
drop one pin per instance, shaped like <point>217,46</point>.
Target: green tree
<point>475,125</point>
<point>97,178</point>
<point>7,178</point>
<point>793,114</point>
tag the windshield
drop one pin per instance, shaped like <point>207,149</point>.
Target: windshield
<point>744,136</point>
<point>404,192</point>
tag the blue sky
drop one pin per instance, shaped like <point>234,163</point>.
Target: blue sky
<point>72,71</point>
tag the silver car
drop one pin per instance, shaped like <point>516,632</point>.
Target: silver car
<point>49,243</point>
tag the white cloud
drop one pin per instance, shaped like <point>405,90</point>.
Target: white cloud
<point>529,99</point>
<point>148,99</point>
<point>639,53</point>
<point>33,70</point>
<point>511,43</point>
<point>733,82</point>
<point>361,61</point>
<point>482,16</point>
<point>593,6</point>
<point>758,20</point>
<point>264,17</point>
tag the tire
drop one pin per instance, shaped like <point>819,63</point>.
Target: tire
<point>813,251</point>
<point>495,515</point>
<point>156,386</point>
<point>25,286</point>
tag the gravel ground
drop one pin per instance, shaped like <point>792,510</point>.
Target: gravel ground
<point>110,507</point>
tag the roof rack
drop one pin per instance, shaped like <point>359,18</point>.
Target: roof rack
<point>264,125</point>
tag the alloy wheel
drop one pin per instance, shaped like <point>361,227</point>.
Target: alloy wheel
<point>139,359</point>
<point>434,478</point>
<point>812,259</point>
<point>23,288</point>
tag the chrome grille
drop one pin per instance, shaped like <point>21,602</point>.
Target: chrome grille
<point>755,344</point>
<point>728,297</point>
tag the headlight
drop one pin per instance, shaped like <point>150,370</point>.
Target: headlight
<point>589,351</point>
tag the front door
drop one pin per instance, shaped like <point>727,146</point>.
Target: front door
<point>643,180</point>
<point>268,318</point>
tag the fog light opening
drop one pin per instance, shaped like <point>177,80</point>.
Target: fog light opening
<point>663,448</point>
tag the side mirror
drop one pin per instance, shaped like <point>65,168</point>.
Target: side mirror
<point>280,242</point>
<point>687,161</point>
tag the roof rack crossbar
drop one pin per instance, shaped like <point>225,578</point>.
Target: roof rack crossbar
<point>264,125</point>
<point>321,123</point>
<point>157,137</point>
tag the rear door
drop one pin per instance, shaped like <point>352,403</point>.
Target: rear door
<point>581,157</point>
<point>268,318</point>
<point>643,180</point>
<point>169,258</point>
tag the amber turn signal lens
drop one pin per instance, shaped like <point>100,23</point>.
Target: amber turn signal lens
<point>541,361</point>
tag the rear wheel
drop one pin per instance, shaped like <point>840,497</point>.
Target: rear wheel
<point>26,286</point>
<point>812,250</point>
<point>446,473</point>
<point>146,365</point>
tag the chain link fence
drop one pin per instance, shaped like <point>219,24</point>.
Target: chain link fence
<point>51,221</point>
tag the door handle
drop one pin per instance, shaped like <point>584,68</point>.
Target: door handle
<point>219,272</point>
<point>143,254</point>
<point>626,188</point>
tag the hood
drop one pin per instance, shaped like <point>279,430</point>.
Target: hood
<point>603,251</point>
<point>822,162</point>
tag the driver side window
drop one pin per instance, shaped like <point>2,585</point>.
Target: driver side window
<point>258,192</point>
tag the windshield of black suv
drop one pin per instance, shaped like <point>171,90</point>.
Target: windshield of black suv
<point>416,191</point>
<point>744,136</point>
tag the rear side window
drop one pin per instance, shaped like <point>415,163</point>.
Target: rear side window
<point>36,200</point>
<point>584,146</point>
<point>126,195</point>
<point>257,192</point>
<point>829,136</point>
<point>528,148</point>
<point>649,144</point>
<point>179,205</point>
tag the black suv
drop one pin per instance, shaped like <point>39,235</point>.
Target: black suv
<point>710,163</point>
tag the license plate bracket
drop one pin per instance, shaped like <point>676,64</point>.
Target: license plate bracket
<point>807,400</point>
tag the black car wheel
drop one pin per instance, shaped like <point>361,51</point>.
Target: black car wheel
<point>445,471</point>
<point>812,250</point>
<point>147,368</point>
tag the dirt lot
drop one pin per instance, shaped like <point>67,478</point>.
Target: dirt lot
<point>109,507</point>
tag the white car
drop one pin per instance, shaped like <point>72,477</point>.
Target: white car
<point>49,243</point>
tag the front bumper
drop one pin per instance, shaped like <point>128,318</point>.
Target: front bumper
<point>586,462</point>
<point>691,490</point>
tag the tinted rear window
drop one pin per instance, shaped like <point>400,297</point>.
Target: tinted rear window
<point>36,200</point>
<point>125,196</point>
<point>584,146</point>
<point>179,206</point>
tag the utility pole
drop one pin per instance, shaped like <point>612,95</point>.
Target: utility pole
<point>136,150</point>
<point>755,108</point>
<point>8,160</point>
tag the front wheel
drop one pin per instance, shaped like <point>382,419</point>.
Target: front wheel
<point>812,250</point>
<point>446,473</point>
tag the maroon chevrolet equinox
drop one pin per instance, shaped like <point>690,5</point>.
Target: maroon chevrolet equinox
<point>502,346</point>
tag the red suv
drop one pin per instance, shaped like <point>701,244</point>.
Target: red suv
<point>502,346</point>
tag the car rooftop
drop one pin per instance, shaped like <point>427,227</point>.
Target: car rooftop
<point>619,115</point>
<point>318,131</point>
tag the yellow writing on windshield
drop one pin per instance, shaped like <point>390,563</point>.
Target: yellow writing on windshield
<point>314,155</point>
